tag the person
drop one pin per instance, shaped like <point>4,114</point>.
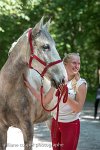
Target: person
<point>68,126</point>
<point>97,100</point>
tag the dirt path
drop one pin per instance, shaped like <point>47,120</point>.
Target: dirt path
<point>89,137</point>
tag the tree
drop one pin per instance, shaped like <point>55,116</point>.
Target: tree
<point>75,28</point>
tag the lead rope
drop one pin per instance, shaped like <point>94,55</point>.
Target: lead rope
<point>59,94</point>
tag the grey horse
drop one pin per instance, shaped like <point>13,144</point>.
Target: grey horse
<point>18,108</point>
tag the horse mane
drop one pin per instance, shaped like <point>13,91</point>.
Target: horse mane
<point>14,44</point>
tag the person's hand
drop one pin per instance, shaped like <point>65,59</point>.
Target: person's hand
<point>61,88</point>
<point>77,76</point>
<point>64,91</point>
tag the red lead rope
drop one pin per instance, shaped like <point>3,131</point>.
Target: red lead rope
<point>59,94</point>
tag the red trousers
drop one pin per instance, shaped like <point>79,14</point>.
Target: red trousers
<point>65,135</point>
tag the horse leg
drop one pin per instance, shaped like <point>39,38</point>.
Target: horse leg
<point>3,137</point>
<point>27,130</point>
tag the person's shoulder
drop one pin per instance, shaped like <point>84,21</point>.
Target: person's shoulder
<point>81,81</point>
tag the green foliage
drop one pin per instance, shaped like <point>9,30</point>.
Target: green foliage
<point>91,95</point>
<point>75,28</point>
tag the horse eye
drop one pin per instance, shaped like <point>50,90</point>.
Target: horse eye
<point>38,34</point>
<point>46,47</point>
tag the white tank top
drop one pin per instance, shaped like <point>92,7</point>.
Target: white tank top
<point>65,111</point>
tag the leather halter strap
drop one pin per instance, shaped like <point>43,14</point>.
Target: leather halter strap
<point>33,56</point>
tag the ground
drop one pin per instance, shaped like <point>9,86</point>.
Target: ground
<point>89,137</point>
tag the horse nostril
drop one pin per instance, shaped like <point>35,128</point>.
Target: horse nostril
<point>54,83</point>
<point>62,80</point>
<point>57,83</point>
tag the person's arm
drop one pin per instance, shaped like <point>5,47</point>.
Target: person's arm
<point>49,96</point>
<point>78,103</point>
<point>46,99</point>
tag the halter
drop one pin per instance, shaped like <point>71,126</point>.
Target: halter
<point>59,94</point>
<point>33,56</point>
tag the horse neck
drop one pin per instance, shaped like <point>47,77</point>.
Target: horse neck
<point>13,68</point>
<point>16,62</point>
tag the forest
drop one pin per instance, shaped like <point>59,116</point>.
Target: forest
<point>75,27</point>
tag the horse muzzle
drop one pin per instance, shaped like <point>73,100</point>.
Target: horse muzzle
<point>55,83</point>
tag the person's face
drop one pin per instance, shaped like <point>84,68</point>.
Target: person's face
<point>73,65</point>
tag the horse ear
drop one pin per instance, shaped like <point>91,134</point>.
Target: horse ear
<point>37,28</point>
<point>39,25</point>
<point>47,25</point>
<point>41,21</point>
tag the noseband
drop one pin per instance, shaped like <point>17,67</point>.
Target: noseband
<point>33,56</point>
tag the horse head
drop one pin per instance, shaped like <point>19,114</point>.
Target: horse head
<point>38,49</point>
<point>46,59</point>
